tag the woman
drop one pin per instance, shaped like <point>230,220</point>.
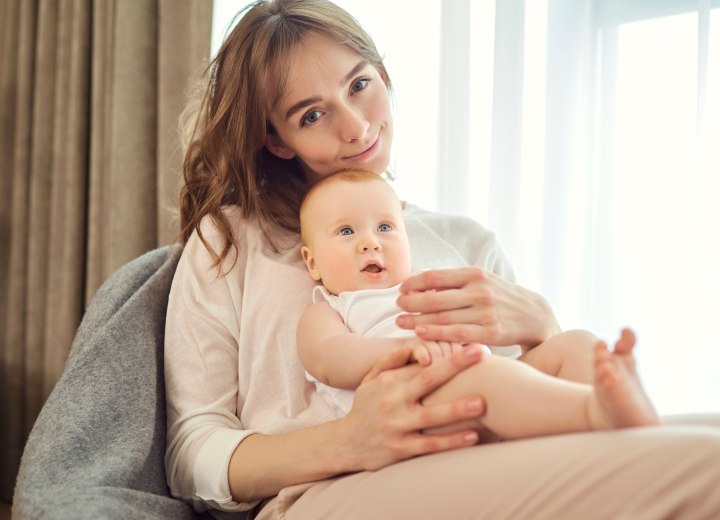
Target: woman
<point>296,93</point>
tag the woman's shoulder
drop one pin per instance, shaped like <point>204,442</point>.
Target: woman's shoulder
<point>446,240</point>
<point>238,223</point>
<point>243,229</point>
<point>447,225</point>
<point>248,238</point>
<point>208,241</point>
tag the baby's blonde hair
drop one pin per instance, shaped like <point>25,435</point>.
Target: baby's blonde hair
<point>343,176</point>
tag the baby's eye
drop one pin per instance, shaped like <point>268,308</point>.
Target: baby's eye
<point>345,231</point>
<point>310,118</point>
<point>359,85</point>
<point>384,228</point>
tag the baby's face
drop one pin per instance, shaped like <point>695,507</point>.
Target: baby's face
<point>356,237</point>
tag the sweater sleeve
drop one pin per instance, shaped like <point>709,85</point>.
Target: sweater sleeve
<point>201,376</point>
<point>440,240</point>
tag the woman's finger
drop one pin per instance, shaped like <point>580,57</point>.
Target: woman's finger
<point>421,444</point>
<point>393,359</point>
<point>467,315</point>
<point>473,294</point>
<point>440,279</point>
<point>440,415</point>
<point>435,301</point>
<point>461,333</point>
<point>432,377</point>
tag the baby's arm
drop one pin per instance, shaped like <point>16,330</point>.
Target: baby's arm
<point>333,354</point>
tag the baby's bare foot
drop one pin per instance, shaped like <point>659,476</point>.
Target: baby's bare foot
<point>622,399</point>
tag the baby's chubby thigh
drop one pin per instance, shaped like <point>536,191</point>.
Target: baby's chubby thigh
<point>492,379</point>
<point>568,355</point>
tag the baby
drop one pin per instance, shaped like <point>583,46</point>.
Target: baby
<point>354,243</point>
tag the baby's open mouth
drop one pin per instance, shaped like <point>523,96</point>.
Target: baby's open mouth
<point>372,268</point>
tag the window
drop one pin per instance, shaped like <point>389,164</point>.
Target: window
<point>585,134</point>
<point>658,177</point>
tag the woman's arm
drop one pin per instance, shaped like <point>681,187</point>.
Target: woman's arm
<point>334,355</point>
<point>212,381</point>
<point>384,426</point>
<point>471,304</point>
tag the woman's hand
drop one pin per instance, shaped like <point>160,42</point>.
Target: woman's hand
<point>387,417</point>
<point>470,304</point>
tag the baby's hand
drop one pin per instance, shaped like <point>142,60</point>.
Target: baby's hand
<point>425,352</point>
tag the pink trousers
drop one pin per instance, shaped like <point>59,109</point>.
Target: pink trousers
<point>669,471</point>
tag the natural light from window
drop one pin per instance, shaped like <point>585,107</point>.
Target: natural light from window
<point>626,234</point>
<point>668,287</point>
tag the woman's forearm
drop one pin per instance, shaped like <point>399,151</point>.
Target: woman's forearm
<point>546,324</point>
<point>262,465</point>
<point>383,426</point>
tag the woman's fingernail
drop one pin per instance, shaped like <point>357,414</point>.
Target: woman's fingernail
<point>471,438</point>
<point>474,405</point>
<point>419,330</point>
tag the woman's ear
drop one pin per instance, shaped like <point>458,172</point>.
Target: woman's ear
<point>309,260</point>
<point>277,148</point>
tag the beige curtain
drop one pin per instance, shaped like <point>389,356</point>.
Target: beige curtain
<point>90,97</point>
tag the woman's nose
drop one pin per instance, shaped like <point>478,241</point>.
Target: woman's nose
<point>353,124</point>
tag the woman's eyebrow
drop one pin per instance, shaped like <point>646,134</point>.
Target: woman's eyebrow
<point>300,105</point>
<point>357,68</point>
<point>315,99</point>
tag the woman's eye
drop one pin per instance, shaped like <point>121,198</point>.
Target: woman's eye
<point>359,85</point>
<point>345,231</point>
<point>384,228</point>
<point>310,118</point>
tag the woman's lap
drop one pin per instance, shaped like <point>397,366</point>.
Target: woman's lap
<point>657,472</point>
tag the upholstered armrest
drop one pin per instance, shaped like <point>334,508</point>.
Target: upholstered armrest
<point>97,448</point>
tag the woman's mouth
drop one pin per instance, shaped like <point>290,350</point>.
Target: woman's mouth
<point>367,152</point>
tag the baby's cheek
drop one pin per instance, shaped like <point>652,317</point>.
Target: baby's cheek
<point>340,274</point>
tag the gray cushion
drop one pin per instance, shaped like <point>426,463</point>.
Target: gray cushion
<point>97,448</point>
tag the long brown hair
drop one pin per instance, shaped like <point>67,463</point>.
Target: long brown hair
<point>226,160</point>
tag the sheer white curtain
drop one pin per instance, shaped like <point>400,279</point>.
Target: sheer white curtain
<point>630,176</point>
<point>586,134</point>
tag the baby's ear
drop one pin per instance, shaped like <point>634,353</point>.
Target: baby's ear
<point>309,260</point>
<point>277,147</point>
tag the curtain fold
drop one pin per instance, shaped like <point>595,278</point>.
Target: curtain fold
<point>90,95</point>
<point>126,219</point>
<point>16,70</point>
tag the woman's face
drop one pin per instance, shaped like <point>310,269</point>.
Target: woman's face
<point>335,114</point>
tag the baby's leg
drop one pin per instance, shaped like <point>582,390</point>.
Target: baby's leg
<point>525,402</point>
<point>568,355</point>
<point>521,401</point>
